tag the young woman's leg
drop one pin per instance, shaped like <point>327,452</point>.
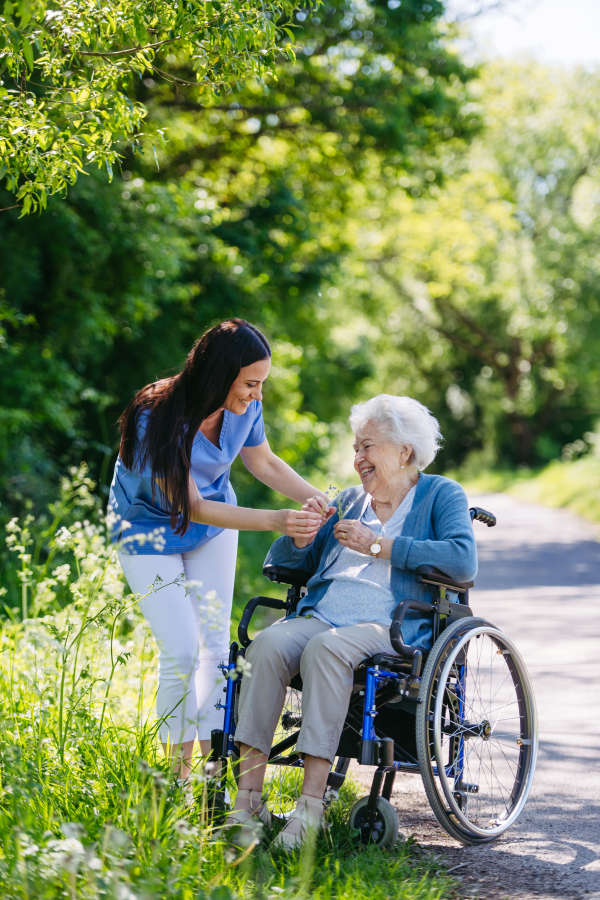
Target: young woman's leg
<point>210,576</point>
<point>171,614</point>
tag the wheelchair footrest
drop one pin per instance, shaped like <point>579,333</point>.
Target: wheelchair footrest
<point>376,753</point>
<point>218,744</point>
<point>335,780</point>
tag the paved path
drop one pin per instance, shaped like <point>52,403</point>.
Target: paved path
<point>539,580</point>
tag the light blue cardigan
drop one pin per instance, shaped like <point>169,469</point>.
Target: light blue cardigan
<point>437,532</point>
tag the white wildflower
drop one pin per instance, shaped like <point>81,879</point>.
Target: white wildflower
<point>63,537</point>
<point>242,667</point>
<point>70,853</point>
<point>62,573</point>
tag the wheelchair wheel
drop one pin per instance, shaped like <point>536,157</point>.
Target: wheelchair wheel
<point>384,832</point>
<point>476,730</point>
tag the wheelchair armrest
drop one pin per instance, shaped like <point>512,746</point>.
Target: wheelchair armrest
<point>431,575</point>
<point>396,626</point>
<point>283,575</point>
<point>269,602</point>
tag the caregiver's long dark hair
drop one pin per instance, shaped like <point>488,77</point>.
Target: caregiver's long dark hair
<point>178,406</point>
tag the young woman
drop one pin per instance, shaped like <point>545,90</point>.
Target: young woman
<point>179,437</point>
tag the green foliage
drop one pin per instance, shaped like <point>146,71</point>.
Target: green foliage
<point>88,808</point>
<point>69,73</point>
<point>368,80</point>
<point>487,287</point>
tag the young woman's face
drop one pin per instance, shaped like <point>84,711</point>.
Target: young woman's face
<point>247,386</point>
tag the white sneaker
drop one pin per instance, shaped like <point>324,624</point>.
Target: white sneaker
<point>308,816</point>
<point>249,824</point>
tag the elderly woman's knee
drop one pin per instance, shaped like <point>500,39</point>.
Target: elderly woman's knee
<point>267,646</point>
<point>322,648</point>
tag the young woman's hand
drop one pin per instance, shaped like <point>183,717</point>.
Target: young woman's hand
<point>318,504</point>
<point>315,505</point>
<point>301,525</point>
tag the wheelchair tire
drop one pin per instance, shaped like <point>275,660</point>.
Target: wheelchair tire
<point>476,731</point>
<point>384,833</point>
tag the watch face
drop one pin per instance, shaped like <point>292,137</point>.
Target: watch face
<point>375,548</point>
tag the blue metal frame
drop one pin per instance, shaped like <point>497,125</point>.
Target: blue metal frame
<point>460,758</point>
<point>374,676</point>
<point>230,675</point>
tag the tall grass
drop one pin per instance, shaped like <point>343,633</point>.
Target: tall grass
<point>88,807</point>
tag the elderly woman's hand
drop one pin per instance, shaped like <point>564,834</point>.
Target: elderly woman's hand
<point>353,534</point>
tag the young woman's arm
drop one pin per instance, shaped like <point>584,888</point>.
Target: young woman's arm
<point>294,523</point>
<point>276,474</point>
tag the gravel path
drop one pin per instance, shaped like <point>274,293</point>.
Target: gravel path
<point>539,581</point>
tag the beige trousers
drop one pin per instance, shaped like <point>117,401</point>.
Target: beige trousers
<point>326,658</point>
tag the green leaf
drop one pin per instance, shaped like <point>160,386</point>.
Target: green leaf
<point>26,205</point>
<point>27,53</point>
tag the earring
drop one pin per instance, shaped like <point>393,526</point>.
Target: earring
<point>401,467</point>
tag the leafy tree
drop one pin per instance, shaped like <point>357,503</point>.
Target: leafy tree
<point>106,291</point>
<point>69,71</point>
<point>246,215</point>
<point>489,286</point>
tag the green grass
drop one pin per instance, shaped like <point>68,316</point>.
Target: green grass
<point>571,485</point>
<point>88,807</point>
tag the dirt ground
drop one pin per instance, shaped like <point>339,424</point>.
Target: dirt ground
<point>539,581</point>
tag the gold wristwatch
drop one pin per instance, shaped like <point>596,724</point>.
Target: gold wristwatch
<point>376,547</point>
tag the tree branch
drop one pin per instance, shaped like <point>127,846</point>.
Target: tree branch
<point>109,54</point>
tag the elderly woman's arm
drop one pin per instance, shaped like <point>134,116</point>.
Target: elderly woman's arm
<point>453,551</point>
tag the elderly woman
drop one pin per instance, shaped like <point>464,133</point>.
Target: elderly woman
<point>364,559</point>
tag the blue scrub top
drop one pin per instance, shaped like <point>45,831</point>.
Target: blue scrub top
<point>131,491</point>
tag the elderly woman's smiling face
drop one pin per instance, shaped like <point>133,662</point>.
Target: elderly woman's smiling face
<point>378,460</point>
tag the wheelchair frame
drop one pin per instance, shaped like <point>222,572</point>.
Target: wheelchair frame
<point>386,678</point>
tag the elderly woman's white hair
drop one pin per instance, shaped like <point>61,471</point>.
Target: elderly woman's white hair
<point>403,421</point>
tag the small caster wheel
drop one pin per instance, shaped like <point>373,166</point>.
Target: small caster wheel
<point>384,831</point>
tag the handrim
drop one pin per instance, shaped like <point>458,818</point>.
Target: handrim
<point>528,750</point>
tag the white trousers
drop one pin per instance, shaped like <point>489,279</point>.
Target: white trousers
<point>189,611</point>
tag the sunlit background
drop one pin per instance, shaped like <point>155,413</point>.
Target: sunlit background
<point>553,31</point>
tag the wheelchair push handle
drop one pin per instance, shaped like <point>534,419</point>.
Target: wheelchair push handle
<point>269,602</point>
<point>482,515</point>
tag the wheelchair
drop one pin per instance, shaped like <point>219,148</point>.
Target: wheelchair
<point>462,715</point>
